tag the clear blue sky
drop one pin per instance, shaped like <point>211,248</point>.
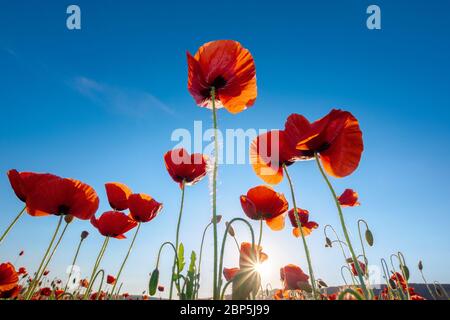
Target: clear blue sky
<point>100,105</point>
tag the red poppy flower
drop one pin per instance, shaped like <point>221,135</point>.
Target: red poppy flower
<point>22,270</point>
<point>293,277</point>
<point>117,194</point>
<point>263,203</point>
<point>230,273</point>
<point>361,265</point>
<point>349,198</point>
<point>399,280</point>
<point>125,295</point>
<point>250,257</point>
<point>110,279</point>
<point>46,292</point>
<point>336,137</point>
<point>11,294</point>
<point>84,283</point>
<point>113,224</point>
<point>62,196</point>
<point>8,277</point>
<point>59,294</point>
<point>269,152</point>
<point>183,166</point>
<point>229,68</point>
<point>25,182</point>
<point>98,296</point>
<point>143,208</point>
<point>161,288</point>
<point>303,216</point>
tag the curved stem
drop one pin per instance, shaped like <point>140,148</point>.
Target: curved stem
<point>219,283</point>
<point>216,288</point>
<point>175,265</point>
<point>342,274</point>
<point>101,282</point>
<point>399,286</point>
<point>225,287</point>
<point>344,229</point>
<point>428,287</point>
<point>73,263</point>
<point>12,225</point>
<point>197,285</point>
<point>34,282</point>
<point>260,232</point>
<point>305,245</point>
<point>96,265</point>
<point>361,240</point>
<point>125,260</point>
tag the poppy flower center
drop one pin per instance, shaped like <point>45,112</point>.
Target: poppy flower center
<point>218,83</point>
<point>63,209</point>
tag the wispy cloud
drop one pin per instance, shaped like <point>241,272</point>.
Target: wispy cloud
<point>133,103</point>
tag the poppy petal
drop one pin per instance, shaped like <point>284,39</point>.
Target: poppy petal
<point>277,223</point>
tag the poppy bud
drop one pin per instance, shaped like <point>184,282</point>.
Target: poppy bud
<point>322,283</point>
<point>405,271</point>
<point>438,291</point>
<point>328,242</point>
<point>84,234</point>
<point>230,229</point>
<point>21,253</point>
<point>153,284</point>
<point>420,265</point>
<point>369,237</point>
<point>392,284</point>
<point>218,219</point>
<point>68,218</point>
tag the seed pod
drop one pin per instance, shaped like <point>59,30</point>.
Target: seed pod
<point>68,218</point>
<point>369,237</point>
<point>218,219</point>
<point>230,229</point>
<point>84,235</point>
<point>328,242</point>
<point>420,265</point>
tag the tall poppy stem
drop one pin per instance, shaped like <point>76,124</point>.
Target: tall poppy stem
<point>216,292</point>
<point>96,265</point>
<point>73,263</point>
<point>260,232</point>
<point>197,285</point>
<point>175,264</point>
<point>125,260</point>
<point>35,282</point>
<point>12,224</point>
<point>344,228</point>
<point>52,253</point>
<point>305,245</point>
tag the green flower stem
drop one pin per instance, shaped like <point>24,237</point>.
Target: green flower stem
<point>428,287</point>
<point>34,283</point>
<point>125,260</point>
<point>342,248</point>
<point>305,245</point>
<point>222,252</point>
<point>260,232</point>
<point>52,253</point>
<point>101,282</point>
<point>175,264</point>
<point>225,287</point>
<point>96,265</point>
<point>197,285</point>
<point>216,289</point>
<point>12,225</point>
<point>344,229</point>
<point>73,263</point>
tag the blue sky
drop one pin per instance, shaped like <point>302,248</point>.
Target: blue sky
<point>100,104</point>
